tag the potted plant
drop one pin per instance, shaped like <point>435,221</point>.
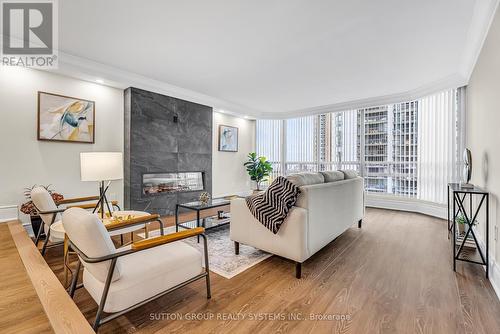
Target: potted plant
<point>463,227</point>
<point>29,208</point>
<point>258,168</point>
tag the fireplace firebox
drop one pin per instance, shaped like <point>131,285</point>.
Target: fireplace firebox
<point>173,182</point>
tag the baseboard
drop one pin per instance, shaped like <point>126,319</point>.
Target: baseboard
<point>495,277</point>
<point>8,213</point>
<point>494,268</point>
<point>393,202</point>
<point>242,193</point>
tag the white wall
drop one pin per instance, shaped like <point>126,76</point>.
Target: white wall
<point>483,135</point>
<point>25,160</point>
<point>228,174</point>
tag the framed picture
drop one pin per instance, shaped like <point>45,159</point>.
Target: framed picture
<point>65,118</point>
<point>228,138</point>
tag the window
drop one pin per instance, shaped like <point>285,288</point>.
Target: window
<point>408,149</point>
<point>301,141</point>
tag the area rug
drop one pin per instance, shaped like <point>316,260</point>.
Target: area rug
<point>221,257</point>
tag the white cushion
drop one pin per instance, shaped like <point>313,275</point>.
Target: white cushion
<point>145,274</point>
<point>350,174</point>
<point>44,202</point>
<point>57,232</point>
<point>88,233</point>
<point>333,176</point>
<point>304,179</point>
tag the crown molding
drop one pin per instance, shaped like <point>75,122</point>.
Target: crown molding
<point>482,18</point>
<point>452,81</point>
<point>89,70</point>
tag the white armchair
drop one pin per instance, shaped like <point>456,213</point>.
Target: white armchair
<point>122,279</point>
<point>50,213</point>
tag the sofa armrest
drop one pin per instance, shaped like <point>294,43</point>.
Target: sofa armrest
<point>240,215</point>
<point>289,242</point>
<point>332,208</point>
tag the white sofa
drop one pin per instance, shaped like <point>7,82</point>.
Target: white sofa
<point>329,203</point>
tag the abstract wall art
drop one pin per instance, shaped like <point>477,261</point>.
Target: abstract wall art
<point>65,118</point>
<point>228,138</point>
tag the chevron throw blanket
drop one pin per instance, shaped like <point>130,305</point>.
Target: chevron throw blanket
<point>272,206</point>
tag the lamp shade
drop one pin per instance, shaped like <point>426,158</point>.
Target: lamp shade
<point>101,166</point>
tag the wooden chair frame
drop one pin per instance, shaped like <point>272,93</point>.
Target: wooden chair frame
<point>137,247</point>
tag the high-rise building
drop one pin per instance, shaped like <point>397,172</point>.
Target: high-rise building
<point>375,150</point>
<point>404,148</point>
<point>387,154</point>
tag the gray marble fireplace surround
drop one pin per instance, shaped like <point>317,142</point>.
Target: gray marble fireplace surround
<point>164,134</point>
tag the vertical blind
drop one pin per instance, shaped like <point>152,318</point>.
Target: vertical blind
<point>438,147</point>
<point>301,142</point>
<point>269,143</point>
<point>409,149</point>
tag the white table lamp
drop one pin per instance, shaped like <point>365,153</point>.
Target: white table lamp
<point>101,167</point>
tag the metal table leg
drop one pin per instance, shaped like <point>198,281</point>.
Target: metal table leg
<point>198,223</point>
<point>454,236</point>
<point>448,211</point>
<point>487,235</point>
<point>65,259</point>
<point>176,218</point>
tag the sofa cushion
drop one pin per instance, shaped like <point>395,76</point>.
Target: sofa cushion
<point>350,173</point>
<point>305,179</point>
<point>333,176</point>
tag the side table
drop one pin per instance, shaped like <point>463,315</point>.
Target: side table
<point>198,207</point>
<point>460,196</point>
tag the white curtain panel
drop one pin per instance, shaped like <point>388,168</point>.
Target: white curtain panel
<point>437,145</point>
<point>269,143</point>
<point>301,139</point>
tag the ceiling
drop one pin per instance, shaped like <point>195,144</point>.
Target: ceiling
<point>275,58</point>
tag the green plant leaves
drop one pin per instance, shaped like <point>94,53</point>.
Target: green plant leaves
<point>258,168</point>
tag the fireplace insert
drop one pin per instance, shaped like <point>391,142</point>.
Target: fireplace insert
<point>173,182</point>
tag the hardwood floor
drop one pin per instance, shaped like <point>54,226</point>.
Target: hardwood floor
<point>394,275</point>
<point>18,299</point>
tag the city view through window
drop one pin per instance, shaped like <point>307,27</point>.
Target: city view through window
<point>381,143</point>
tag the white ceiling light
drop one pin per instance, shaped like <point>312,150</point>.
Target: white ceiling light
<point>99,81</point>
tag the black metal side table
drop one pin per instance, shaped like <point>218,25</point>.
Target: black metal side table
<point>460,195</point>
<point>198,206</point>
